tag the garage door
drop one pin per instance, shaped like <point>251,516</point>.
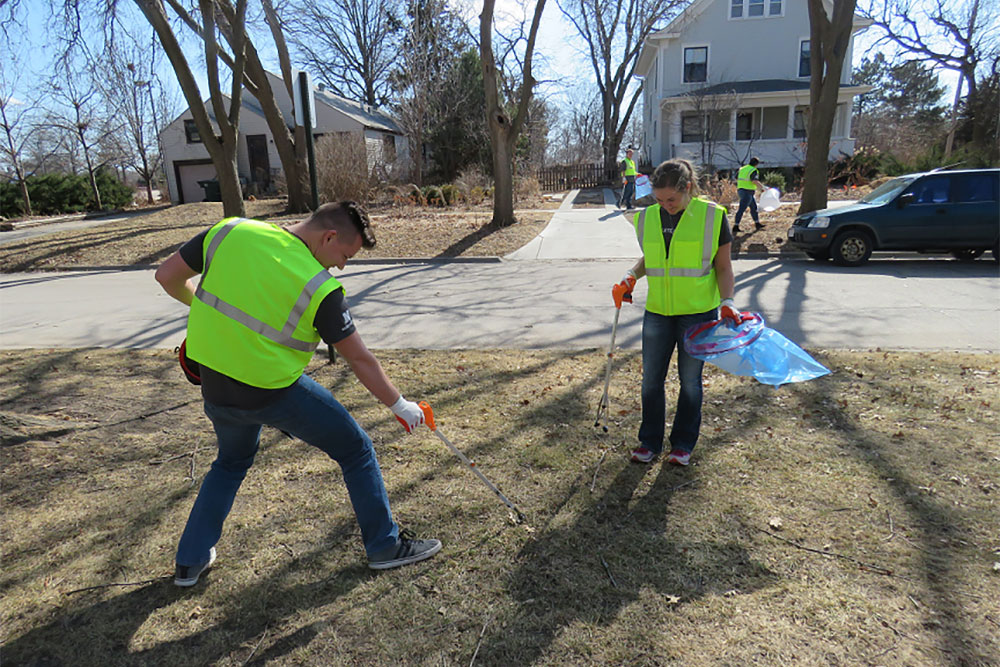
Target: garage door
<point>189,175</point>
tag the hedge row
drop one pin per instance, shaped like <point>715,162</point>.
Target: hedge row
<point>63,193</point>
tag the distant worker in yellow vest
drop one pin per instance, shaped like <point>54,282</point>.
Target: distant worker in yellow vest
<point>747,181</point>
<point>686,246</point>
<point>264,301</point>
<point>629,172</point>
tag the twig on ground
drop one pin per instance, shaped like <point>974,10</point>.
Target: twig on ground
<point>177,456</point>
<point>865,566</point>
<point>900,633</point>
<point>880,654</point>
<point>597,469</point>
<point>479,643</point>
<point>126,583</point>
<point>990,619</point>
<point>607,568</point>
<point>892,530</point>
<point>257,646</point>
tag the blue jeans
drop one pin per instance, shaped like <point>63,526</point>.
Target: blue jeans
<point>660,335</point>
<point>746,199</point>
<point>309,412</point>
<point>628,192</point>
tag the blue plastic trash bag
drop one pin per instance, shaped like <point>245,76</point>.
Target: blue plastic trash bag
<point>751,349</point>
<point>642,186</point>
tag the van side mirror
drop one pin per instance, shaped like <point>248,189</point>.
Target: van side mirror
<point>905,199</point>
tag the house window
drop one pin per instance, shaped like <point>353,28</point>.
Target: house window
<point>739,9</point>
<point>744,126</point>
<point>799,123</point>
<point>389,147</point>
<point>191,132</point>
<point>692,127</point>
<point>804,56</point>
<point>696,64</point>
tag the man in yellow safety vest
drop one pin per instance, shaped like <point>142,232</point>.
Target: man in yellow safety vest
<point>747,180</point>
<point>629,172</point>
<point>265,300</point>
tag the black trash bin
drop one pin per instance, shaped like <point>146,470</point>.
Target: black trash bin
<point>212,190</point>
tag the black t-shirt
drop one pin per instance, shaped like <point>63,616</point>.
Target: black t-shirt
<point>332,321</point>
<point>669,223</point>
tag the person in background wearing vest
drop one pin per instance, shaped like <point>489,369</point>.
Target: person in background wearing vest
<point>686,246</point>
<point>629,173</point>
<point>747,180</point>
<point>264,301</point>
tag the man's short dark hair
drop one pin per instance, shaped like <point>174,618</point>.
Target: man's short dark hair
<point>344,216</point>
<point>754,162</point>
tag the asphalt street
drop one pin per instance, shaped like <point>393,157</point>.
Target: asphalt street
<point>911,304</point>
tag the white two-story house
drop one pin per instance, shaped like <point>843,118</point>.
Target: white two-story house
<point>729,79</point>
<point>186,160</point>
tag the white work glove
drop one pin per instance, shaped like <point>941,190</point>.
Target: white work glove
<point>727,311</point>
<point>408,413</point>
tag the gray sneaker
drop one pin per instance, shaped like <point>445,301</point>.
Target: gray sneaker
<point>187,575</point>
<point>407,550</point>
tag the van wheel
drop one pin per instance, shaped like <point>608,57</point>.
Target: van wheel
<point>819,256</point>
<point>851,248</point>
<point>967,254</point>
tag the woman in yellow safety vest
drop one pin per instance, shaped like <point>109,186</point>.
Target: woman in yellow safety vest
<point>686,244</point>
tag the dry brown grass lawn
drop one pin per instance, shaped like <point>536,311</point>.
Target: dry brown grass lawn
<point>850,520</point>
<point>407,231</point>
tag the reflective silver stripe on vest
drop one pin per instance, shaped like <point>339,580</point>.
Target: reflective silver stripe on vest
<point>640,229</point>
<point>706,249</point>
<point>252,323</point>
<point>216,240</point>
<point>655,273</point>
<point>302,303</point>
<point>283,337</point>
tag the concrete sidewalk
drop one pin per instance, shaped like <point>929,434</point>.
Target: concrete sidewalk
<point>599,232</point>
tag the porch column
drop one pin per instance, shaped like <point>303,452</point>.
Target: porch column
<point>790,129</point>
<point>732,125</point>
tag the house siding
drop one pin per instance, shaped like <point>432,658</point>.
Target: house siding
<point>764,50</point>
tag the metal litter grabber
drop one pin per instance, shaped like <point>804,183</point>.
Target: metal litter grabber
<point>619,295</point>
<point>429,420</point>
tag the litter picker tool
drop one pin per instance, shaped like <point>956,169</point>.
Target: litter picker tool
<point>602,407</point>
<point>429,420</point>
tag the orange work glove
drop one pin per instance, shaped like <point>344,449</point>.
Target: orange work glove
<point>623,290</point>
<point>727,311</point>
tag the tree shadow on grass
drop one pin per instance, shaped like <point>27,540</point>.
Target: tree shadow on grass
<point>938,526</point>
<point>458,247</point>
<point>593,569</point>
<point>104,633</point>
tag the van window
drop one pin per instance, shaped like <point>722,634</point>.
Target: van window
<point>976,187</point>
<point>931,190</point>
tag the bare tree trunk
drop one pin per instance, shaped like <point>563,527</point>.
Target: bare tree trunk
<point>222,149</point>
<point>829,39</point>
<point>953,123</point>
<point>90,163</point>
<point>504,131</point>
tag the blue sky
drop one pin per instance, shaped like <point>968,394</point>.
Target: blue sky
<point>557,61</point>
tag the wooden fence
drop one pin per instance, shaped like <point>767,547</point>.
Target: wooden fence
<point>571,176</point>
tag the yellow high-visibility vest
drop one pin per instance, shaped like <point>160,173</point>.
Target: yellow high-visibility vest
<point>743,177</point>
<point>682,282</point>
<point>630,169</point>
<point>252,315</point>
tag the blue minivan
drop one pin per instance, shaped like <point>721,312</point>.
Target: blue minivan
<point>939,211</point>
